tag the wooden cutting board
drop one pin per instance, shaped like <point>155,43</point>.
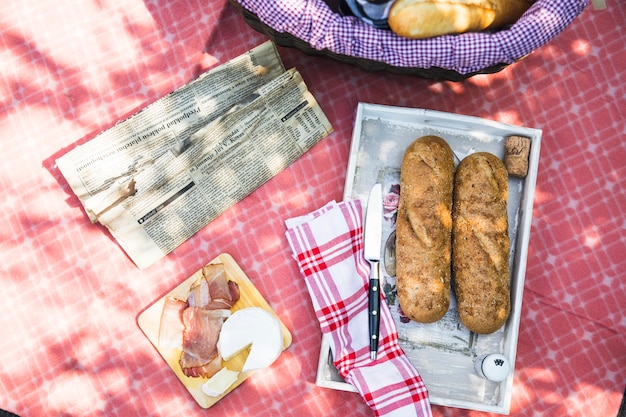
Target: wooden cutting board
<point>149,321</point>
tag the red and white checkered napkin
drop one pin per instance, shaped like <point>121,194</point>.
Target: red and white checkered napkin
<point>328,246</point>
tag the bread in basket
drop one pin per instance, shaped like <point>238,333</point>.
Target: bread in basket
<point>316,28</point>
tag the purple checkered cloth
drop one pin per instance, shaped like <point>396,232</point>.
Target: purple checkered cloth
<point>316,24</point>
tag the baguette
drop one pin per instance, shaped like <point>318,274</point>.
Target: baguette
<point>423,227</point>
<point>480,243</point>
<point>418,19</point>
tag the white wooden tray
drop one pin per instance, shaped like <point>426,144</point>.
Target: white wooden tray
<point>443,352</point>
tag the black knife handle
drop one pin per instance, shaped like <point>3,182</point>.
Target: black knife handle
<point>374,312</point>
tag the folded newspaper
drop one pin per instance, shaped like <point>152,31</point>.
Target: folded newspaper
<point>158,177</point>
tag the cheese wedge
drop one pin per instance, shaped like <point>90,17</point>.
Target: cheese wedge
<point>220,382</point>
<point>251,327</point>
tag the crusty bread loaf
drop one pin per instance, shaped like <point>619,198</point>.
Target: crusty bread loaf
<point>480,243</point>
<point>423,228</point>
<point>418,19</point>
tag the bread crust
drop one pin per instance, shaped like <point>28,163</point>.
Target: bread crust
<point>419,19</point>
<point>423,227</point>
<point>480,243</point>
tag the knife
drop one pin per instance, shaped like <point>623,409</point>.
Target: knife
<point>373,231</point>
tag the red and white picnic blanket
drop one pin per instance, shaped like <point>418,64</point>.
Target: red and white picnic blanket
<point>328,246</point>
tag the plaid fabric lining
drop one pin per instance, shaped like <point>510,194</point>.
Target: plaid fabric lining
<point>327,245</point>
<point>313,22</point>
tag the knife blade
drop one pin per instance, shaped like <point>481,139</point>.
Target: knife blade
<point>372,246</point>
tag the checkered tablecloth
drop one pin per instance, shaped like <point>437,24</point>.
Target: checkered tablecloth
<point>69,341</point>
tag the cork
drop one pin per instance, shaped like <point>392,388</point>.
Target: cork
<point>516,156</point>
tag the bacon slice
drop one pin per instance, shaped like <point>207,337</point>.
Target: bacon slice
<point>213,290</point>
<point>202,328</point>
<point>171,326</point>
<point>207,370</point>
<point>209,301</point>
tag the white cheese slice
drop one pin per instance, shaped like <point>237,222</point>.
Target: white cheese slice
<point>220,382</point>
<point>255,327</point>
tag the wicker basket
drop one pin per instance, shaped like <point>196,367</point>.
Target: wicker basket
<point>315,28</point>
